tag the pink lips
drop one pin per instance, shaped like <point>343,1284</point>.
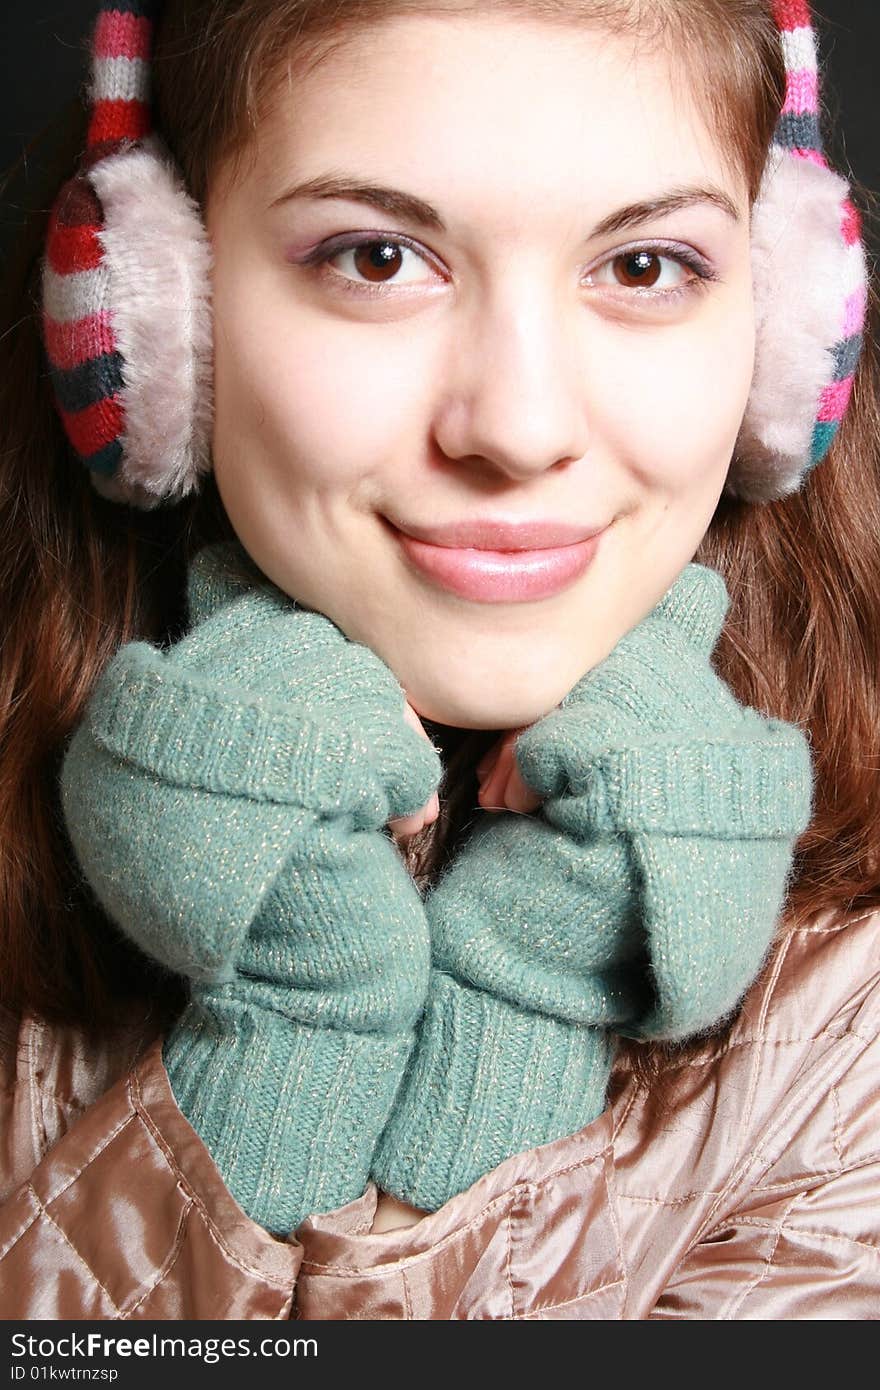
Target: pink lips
<point>500,562</point>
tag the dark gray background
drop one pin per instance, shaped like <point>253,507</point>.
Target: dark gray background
<point>45,48</point>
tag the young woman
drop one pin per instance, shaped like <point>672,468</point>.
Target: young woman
<point>439,745</point>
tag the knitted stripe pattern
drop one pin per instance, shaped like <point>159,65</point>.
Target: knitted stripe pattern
<point>797,132</point>
<point>85,365</point>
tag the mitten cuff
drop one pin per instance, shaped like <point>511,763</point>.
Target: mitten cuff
<point>486,1080</point>
<point>290,1114</point>
<point>737,788</point>
<point>192,733</point>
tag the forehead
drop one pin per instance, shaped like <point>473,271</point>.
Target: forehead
<point>490,113</point>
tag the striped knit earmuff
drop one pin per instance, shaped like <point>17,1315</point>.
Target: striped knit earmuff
<point>126,288</point>
<point>127,310</point>
<point>810,288</point>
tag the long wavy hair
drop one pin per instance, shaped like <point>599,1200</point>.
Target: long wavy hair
<point>79,576</point>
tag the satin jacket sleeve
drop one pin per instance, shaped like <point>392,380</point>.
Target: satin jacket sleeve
<point>116,1209</point>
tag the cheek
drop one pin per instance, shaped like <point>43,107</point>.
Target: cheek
<point>677,399</point>
<point>293,384</point>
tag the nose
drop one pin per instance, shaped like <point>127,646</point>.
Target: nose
<point>514,398</point>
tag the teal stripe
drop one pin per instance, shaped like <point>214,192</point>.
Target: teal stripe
<point>823,433</point>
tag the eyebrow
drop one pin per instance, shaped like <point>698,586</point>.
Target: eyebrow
<point>408,208</point>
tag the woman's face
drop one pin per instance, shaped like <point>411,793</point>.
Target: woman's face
<point>525,350</point>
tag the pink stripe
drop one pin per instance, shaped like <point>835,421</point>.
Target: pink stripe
<point>70,344</point>
<point>121,35</point>
<point>856,308</point>
<point>834,400</point>
<point>802,92</point>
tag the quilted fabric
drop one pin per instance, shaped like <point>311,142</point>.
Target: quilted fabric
<point>745,1185</point>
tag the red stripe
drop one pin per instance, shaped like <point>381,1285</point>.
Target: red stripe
<point>122,35</point>
<point>73,248</point>
<point>95,427</point>
<point>70,344</point>
<point>792,14</point>
<point>119,120</point>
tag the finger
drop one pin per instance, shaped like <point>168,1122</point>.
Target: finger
<point>506,789</point>
<point>491,792</point>
<point>519,795</point>
<point>403,827</point>
<point>526,796</point>
<point>486,764</point>
<point>498,766</point>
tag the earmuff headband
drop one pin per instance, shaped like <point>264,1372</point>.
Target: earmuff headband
<point>126,288</point>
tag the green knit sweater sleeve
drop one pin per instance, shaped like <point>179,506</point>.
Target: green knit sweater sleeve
<point>226,799</point>
<point>640,899</point>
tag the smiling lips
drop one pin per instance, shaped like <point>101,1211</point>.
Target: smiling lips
<point>497,561</point>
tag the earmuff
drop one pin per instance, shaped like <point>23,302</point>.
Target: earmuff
<point>810,282</point>
<point>127,323</point>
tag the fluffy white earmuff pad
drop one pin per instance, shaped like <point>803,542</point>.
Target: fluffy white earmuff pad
<point>158,255</point>
<point>801,276</point>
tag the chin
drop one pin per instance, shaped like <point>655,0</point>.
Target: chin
<point>497,709</point>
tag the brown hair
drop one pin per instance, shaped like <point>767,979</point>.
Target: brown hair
<point>80,576</point>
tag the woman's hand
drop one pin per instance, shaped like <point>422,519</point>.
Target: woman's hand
<point>501,784</point>
<point>268,734</point>
<point>402,827</point>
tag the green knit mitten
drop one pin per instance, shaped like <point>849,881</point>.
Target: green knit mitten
<point>641,899</point>
<point>227,800</point>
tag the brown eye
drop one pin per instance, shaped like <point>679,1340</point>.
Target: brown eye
<point>377,263</point>
<point>378,260</point>
<point>638,268</point>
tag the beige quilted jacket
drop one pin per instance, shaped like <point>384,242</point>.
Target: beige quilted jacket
<point>746,1185</point>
